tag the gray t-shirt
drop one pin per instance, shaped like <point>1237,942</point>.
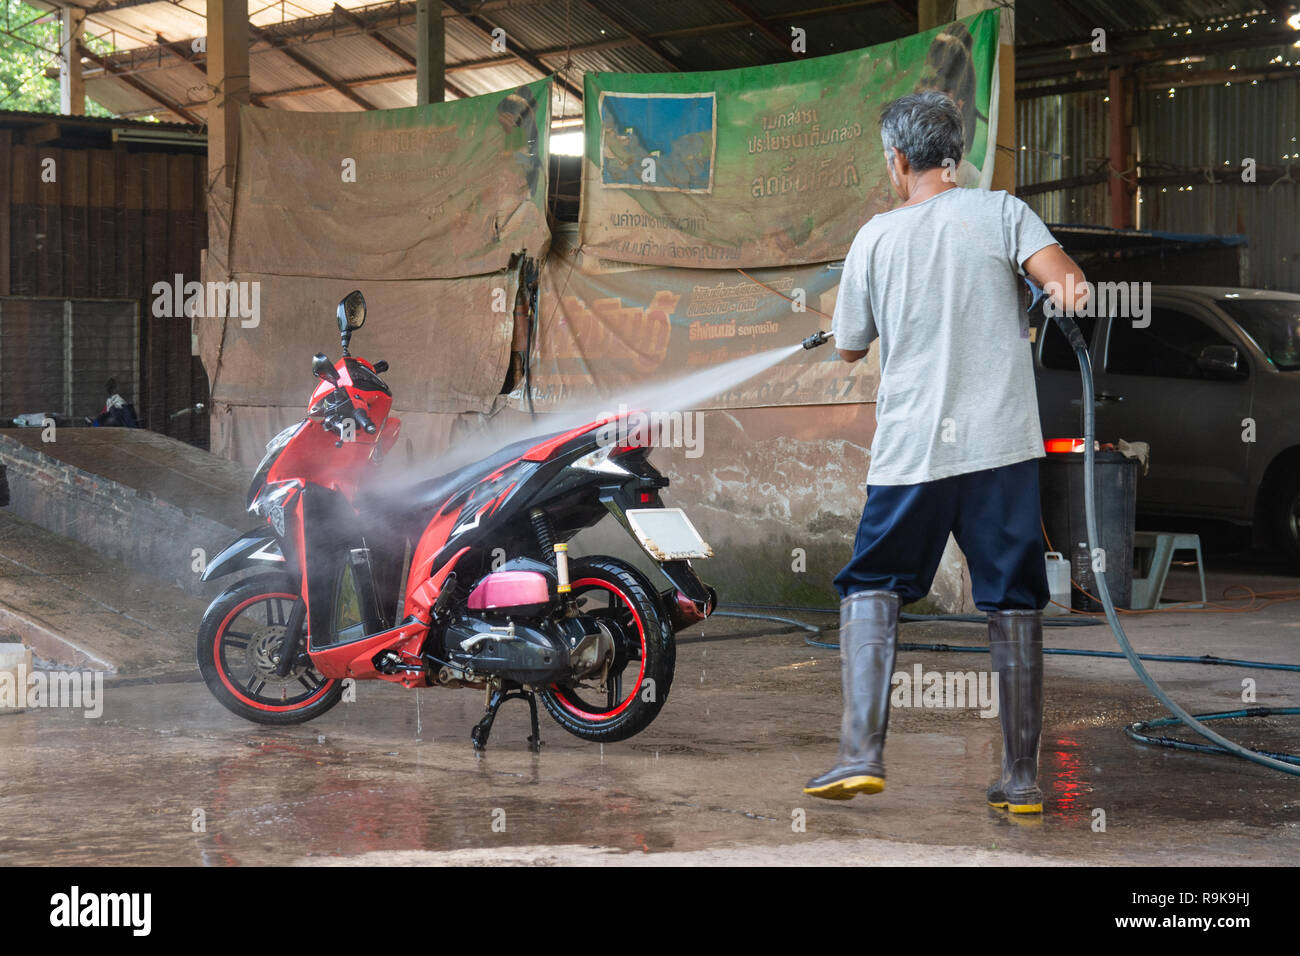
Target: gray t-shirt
<point>938,284</point>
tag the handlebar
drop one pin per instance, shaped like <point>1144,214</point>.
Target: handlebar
<point>339,404</point>
<point>363,421</point>
<point>334,422</point>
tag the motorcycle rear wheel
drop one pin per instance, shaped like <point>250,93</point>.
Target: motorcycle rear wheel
<point>642,673</point>
<point>239,639</point>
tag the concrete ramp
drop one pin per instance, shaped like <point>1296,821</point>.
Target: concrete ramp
<point>153,504</point>
<point>76,609</point>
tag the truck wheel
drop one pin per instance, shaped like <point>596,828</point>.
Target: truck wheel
<point>1286,517</point>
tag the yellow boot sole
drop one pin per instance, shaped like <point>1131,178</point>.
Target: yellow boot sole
<point>848,788</point>
<point>1018,807</point>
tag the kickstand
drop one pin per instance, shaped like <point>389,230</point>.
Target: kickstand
<point>497,696</point>
<point>535,739</point>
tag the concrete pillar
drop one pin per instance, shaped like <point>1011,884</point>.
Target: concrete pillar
<point>72,89</point>
<point>227,44</point>
<point>430,52</point>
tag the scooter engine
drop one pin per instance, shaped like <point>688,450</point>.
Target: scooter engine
<point>534,652</point>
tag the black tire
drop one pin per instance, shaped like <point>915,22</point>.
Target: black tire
<point>1286,517</point>
<point>226,655</point>
<point>608,587</point>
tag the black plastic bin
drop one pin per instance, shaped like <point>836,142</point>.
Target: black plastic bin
<point>1060,479</point>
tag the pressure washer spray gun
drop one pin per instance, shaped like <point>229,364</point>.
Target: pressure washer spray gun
<point>816,339</point>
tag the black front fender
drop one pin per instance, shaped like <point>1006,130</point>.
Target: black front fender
<point>256,549</point>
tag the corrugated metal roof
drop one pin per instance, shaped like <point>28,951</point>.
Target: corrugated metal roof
<point>545,26</point>
<point>584,34</point>
<point>1046,21</point>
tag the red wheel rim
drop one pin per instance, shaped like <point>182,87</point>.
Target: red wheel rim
<point>218,659</point>
<point>569,705</point>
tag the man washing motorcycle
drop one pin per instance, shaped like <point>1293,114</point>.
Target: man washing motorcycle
<point>937,281</point>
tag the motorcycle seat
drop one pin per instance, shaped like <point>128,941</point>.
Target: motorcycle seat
<point>420,498</point>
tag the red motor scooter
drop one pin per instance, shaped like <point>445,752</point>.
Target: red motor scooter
<point>459,580</point>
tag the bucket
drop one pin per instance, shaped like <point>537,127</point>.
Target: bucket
<point>1060,482</point>
<point>1058,582</point>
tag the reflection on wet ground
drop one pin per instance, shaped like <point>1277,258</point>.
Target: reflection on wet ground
<point>748,720</point>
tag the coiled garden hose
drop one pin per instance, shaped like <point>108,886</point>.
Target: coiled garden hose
<point>1223,744</point>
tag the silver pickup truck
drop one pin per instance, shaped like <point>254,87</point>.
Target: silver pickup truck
<point>1213,384</point>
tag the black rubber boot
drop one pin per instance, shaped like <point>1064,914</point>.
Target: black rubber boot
<point>868,638</point>
<point>1016,650</point>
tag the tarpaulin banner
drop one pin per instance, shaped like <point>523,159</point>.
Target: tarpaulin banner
<point>240,432</point>
<point>426,192</point>
<point>605,328</point>
<point>770,165</point>
<point>422,209</point>
<point>447,341</point>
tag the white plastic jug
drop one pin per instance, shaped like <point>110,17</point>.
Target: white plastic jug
<point>1058,582</point>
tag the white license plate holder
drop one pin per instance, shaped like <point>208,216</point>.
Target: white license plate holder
<point>667,534</point>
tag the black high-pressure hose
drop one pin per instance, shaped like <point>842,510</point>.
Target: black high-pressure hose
<point>1286,763</point>
<point>1080,346</point>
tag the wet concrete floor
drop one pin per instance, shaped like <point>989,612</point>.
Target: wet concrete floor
<point>753,712</point>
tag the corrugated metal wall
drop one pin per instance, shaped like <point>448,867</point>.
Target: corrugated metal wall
<point>1216,127</point>
<point>111,225</point>
<point>1198,129</point>
<point>1059,137</point>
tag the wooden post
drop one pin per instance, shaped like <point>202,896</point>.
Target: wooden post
<point>933,13</point>
<point>72,88</point>
<point>227,44</point>
<point>6,223</point>
<point>928,16</point>
<point>1004,162</point>
<point>430,52</point>
<point>1122,194</point>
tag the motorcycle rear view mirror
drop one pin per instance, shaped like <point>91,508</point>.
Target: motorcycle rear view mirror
<point>321,368</point>
<point>352,315</point>
<point>352,311</point>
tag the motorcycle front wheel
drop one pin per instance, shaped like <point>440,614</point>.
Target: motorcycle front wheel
<point>637,683</point>
<point>240,639</point>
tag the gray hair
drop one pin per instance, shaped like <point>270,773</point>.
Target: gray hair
<point>925,127</point>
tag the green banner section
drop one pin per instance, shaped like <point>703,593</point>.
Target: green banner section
<point>770,165</point>
<point>426,192</point>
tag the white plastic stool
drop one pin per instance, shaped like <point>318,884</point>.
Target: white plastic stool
<point>1162,545</point>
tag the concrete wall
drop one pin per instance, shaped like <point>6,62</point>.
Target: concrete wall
<point>777,493</point>
<point>131,524</point>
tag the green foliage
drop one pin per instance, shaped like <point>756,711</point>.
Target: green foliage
<point>29,46</point>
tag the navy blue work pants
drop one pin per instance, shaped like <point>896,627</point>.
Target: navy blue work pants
<point>993,514</point>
